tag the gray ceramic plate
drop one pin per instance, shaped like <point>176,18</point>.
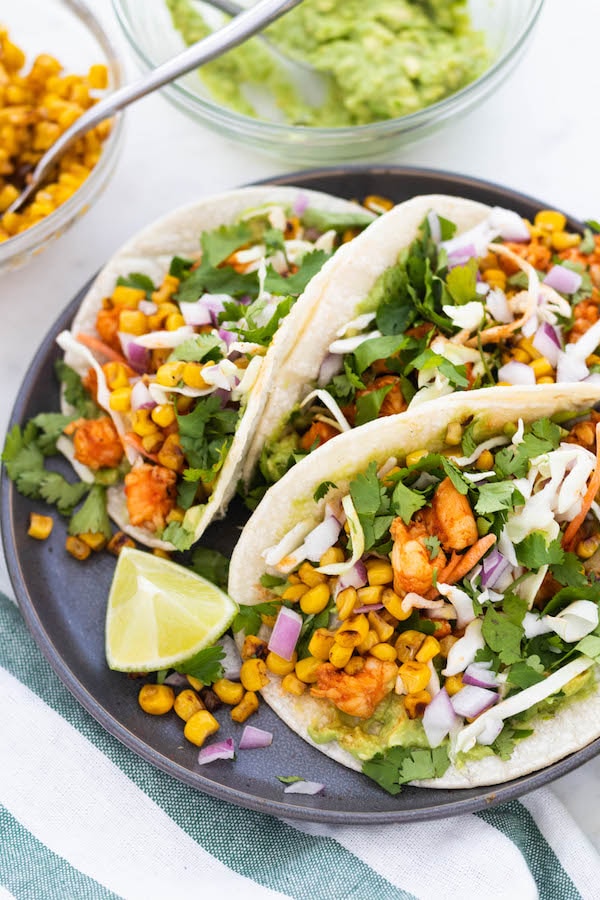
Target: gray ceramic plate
<point>63,602</point>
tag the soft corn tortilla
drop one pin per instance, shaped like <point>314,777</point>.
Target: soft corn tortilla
<point>291,501</point>
<point>150,253</point>
<point>354,271</point>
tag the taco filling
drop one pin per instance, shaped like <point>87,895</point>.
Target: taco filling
<point>506,302</point>
<point>172,366</point>
<point>447,601</point>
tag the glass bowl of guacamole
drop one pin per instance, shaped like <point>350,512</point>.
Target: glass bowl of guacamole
<point>364,79</point>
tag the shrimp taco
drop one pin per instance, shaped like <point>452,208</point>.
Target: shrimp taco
<point>440,294</point>
<point>177,341</point>
<point>425,590</point>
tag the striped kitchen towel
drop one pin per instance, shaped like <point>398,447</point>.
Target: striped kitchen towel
<point>82,817</point>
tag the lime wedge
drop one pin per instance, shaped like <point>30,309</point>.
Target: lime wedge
<point>160,614</point>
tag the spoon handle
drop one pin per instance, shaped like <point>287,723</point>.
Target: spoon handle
<point>235,32</point>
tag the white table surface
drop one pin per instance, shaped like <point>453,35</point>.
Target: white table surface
<point>539,134</point>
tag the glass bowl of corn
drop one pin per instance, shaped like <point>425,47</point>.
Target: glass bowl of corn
<point>50,73</point>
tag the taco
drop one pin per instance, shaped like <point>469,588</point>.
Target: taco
<point>178,340</point>
<point>440,294</point>
<point>428,588</point>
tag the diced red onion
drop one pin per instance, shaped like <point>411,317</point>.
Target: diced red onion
<point>300,204</point>
<point>529,326</point>
<point>563,280</point>
<point>497,305</point>
<point>587,343</point>
<point>438,718</point>
<point>461,255</point>
<point>480,676</point>
<point>470,701</point>
<point>176,679</point>
<point>332,365</point>
<point>255,738</point>
<point>286,632</point>
<point>223,395</point>
<point>510,225</point>
<point>367,608</point>
<point>494,565</point>
<point>140,397</point>
<point>221,750</point>
<point>303,787</point>
<point>147,307</point>
<point>137,356</point>
<point>516,373</point>
<point>196,313</point>
<point>321,538</point>
<point>434,226</point>
<point>570,369</point>
<point>547,341</point>
<point>228,336</point>
<point>231,662</point>
<point>355,577</point>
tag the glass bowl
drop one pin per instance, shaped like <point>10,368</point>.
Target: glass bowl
<point>507,25</point>
<point>68,30</point>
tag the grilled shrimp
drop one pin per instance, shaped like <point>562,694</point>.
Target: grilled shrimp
<point>453,519</point>
<point>96,442</point>
<point>413,568</point>
<point>151,493</point>
<point>357,695</point>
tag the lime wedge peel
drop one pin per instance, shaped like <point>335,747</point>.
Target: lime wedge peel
<point>160,614</point>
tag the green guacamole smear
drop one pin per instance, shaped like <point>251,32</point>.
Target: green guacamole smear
<point>381,60</point>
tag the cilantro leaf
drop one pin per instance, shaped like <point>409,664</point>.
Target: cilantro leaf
<point>570,571</point>
<point>248,618</point>
<point>455,475</point>
<point>56,489</point>
<point>365,491</point>
<point>533,552</point>
<point>461,282</point>
<point>368,406</point>
<point>180,266</point>
<point>92,517</point>
<point>494,497</point>
<point>433,545</point>
<point>201,347</point>
<point>203,431</point>
<point>406,502</point>
<point>263,334</point>
<point>323,490</point>
<point>205,665</point>
<point>502,636</point>
<point>525,673</point>
<point>211,564</point>
<point>51,426</point>
<point>427,360</point>
<point>221,242</point>
<point>74,392</point>
<point>180,537</point>
<point>378,348</point>
<point>398,765</point>
<point>139,281</point>
<point>295,284</point>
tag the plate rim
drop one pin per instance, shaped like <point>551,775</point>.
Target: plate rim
<point>491,796</point>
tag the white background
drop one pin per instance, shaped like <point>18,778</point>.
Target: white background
<point>539,134</point>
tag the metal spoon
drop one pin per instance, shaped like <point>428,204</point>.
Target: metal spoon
<point>233,33</point>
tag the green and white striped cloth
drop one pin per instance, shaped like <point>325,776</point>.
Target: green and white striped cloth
<point>82,817</point>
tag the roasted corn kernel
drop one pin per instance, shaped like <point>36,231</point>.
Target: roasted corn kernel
<point>306,669</point>
<point>393,604</point>
<point>379,572</point>
<point>428,649</point>
<point>253,674</point>
<point>415,704</point>
<point>40,526</point>
<point>230,692</point>
<point>453,684</point>
<point>333,555</point>
<point>280,666</point>
<point>321,643</point>
<point>292,684</point>
<point>339,656</point>
<point>294,592</point>
<point>187,702</point>
<point>315,599</point>
<point>199,726</point>
<point>345,602</point>
<point>77,548</point>
<point>309,575</point>
<point>383,651</point>
<point>156,699</point>
<point>415,676</point>
<point>408,643</point>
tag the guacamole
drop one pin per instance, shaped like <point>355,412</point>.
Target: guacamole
<point>380,60</point>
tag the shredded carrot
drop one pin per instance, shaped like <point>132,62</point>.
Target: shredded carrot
<point>133,440</point>
<point>470,559</point>
<point>99,346</point>
<point>449,567</point>
<point>575,524</point>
